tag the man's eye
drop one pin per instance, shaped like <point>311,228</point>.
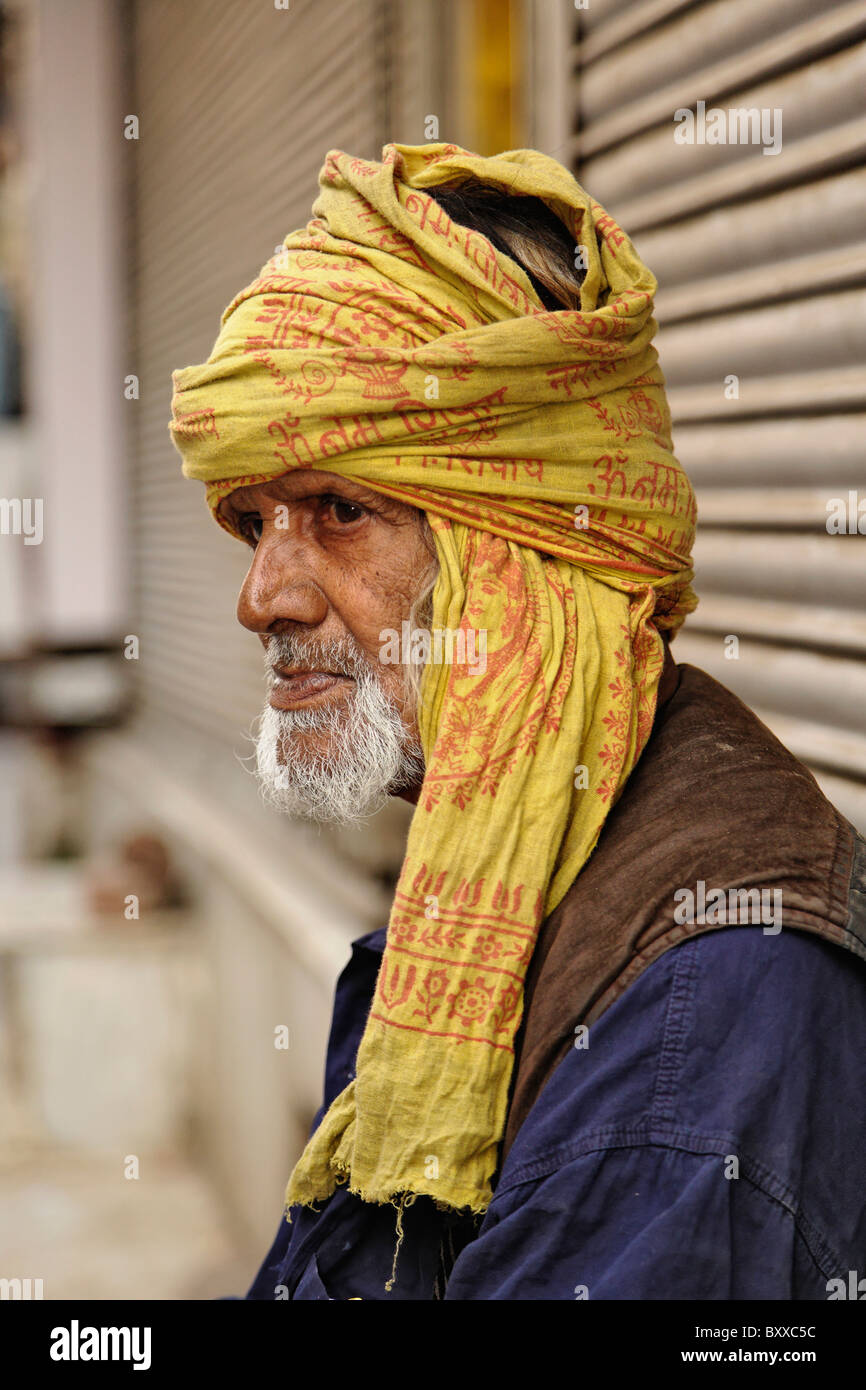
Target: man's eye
<point>345,512</point>
<point>250,527</point>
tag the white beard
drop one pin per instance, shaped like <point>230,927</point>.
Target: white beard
<point>368,755</point>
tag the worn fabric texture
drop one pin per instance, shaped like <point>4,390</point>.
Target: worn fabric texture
<point>386,343</point>
<point>716,799</point>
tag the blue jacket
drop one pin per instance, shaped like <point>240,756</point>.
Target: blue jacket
<point>707,1144</point>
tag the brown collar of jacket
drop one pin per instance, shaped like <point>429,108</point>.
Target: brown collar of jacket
<point>715,797</point>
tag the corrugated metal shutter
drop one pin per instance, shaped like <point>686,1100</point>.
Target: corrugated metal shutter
<point>237,105</point>
<point>761,268</point>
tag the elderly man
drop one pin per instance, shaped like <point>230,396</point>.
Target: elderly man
<point>609,1044</point>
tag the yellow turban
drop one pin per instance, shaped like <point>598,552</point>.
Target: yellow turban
<point>387,343</point>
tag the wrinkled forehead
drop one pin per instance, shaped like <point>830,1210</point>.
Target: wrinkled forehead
<point>287,485</point>
<point>304,482</point>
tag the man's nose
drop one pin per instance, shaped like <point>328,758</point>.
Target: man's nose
<point>280,589</point>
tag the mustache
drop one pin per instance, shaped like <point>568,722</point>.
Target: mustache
<point>343,654</point>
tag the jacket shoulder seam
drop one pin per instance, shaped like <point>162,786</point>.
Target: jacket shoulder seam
<point>698,1146</point>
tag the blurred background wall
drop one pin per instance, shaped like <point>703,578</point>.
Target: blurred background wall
<point>158,926</point>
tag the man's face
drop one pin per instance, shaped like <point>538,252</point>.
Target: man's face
<point>334,565</point>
